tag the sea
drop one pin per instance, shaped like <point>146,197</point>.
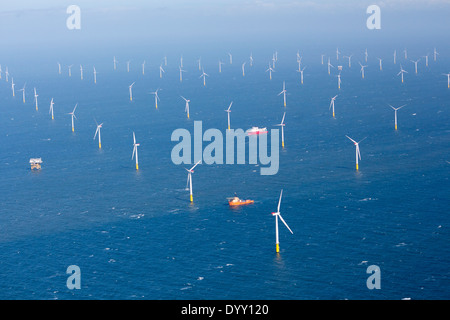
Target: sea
<point>135,234</point>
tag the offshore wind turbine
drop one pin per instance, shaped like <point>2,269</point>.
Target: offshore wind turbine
<point>395,112</point>
<point>189,180</point>
<point>270,71</point>
<point>181,74</point>
<point>406,53</point>
<point>59,68</point>
<point>204,75</point>
<point>186,109</point>
<point>366,55</point>
<point>99,126</point>
<point>156,97</point>
<point>131,92</point>
<point>358,153</point>
<point>220,66</point>
<point>251,59</point>
<point>332,103</point>
<point>395,56</point>
<point>402,72</point>
<point>128,65</point>
<point>70,70</point>
<point>81,71</point>
<point>321,58</point>
<point>23,92</point>
<point>72,114</point>
<point>229,111</point>
<point>337,54</point>
<point>181,61</point>
<point>349,60</point>
<point>435,53</point>
<point>231,58</point>
<point>278,215</point>
<point>51,109</point>
<point>143,68</point>
<point>426,59</point>
<point>161,70</point>
<point>301,74</point>
<point>243,69</point>
<point>284,93</point>
<point>448,79</point>
<point>0,71</point>
<point>381,66</point>
<point>339,80</point>
<point>35,98</point>
<point>329,65</point>
<point>12,86</point>
<point>282,124</point>
<point>115,62</point>
<point>199,60</point>
<point>135,151</point>
<point>165,61</point>
<point>95,76</point>
<point>362,70</point>
<point>6,74</point>
<point>415,64</point>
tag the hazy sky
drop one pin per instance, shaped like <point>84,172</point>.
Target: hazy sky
<point>108,23</point>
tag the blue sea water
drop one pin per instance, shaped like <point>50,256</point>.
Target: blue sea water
<point>135,235</point>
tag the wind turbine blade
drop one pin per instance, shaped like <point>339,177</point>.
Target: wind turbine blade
<point>282,120</point>
<point>195,165</point>
<point>351,139</point>
<point>279,201</point>
<point>282,220</point>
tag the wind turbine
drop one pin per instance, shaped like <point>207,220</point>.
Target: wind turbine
<point>181,61</point>
<point>115,62</point>
<point>339,80</point>
<point>251,59</point>
<point>0,71</point>
<point>156,97</point>
<point>59,68</point>
<point>186,109</point>
<point>401,72</point>
<point>51,108</point>
<point>6,74</point>
<point>231,58</point>
<point>220,66</point>
<point>301,74</point>
<point>381,66</point>
<point>329,65</point>
<point>143,68</point>
<point>415,64</point>
<point>337,54</point>
<point>270,71</point>
<point>284,94</point>
<point>395,56</point>
<point>135,151</point>
<point>406,53</point>
<point>358,154</point>
<point>72,114</point>
<point>426,59</point>
<point>99,126</point>
<point>448,79</point>
<point>349,60</point>
<point>131,92</point>
<point>362,69</point>
<point>435,53</point>
<point>23,92</point>
<point>229,111</point>
<point>81,71</point>
<point>204,75</point>
<point>282,124</point>
<point>365,55</point>
<point>165,61</point>
<point>128,65</point>
<point>395,111</point>
<point>70,70</point>
<point>199,60</point>
<point>95,76</point>
<point>278,214</point>
<point>321,58</point>
<point>12,86</point>
<point>161,70</point>
<point>332,103</point>
<point>189,179</point>
<point>181,74</point>
<point>243,71</point>
<point>35,98</point>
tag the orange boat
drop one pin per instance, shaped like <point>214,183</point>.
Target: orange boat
<point>235,201</point>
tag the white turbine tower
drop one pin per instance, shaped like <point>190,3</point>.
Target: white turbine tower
<point>35,98</point>
<point>181,74</point>
<point>12,86</point>
<point>448,79</point>
<point>99,126</point>
<point>401,72</point>
<point>156,97</point>
<point>204,75</point>
<point>332,103</point>
<point>362,70</point>
<point>81,72</point>
<point>284,93</point>
<point>415,64</point>
<point>135,151</point>
<point>189,180</point>
<point>282,124</point>
<point>229,111</point>
<point>23,92</point>
<point>270,71</point>
<point>72,114</point>
<point>161,71</point>
<point>278,215</point>
<point>329,65</point>
<point>95,76</point>
<point>131,91</point>
<point>358,154</point>
<point>395,112</point>
<point>51,109</point>
<point>186,109</point>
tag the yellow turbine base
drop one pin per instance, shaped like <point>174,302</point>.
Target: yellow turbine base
<point>137,166</point>
<point>99,145</point>
<point>333,114</point>
<point>53,118</point>
<point>73,129</point>
<point>282,144</point>
<point>188,115</point>
<point>357,168</point>
<point>395,127</point>
<point>277,247</point>
<point>192,199</point>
